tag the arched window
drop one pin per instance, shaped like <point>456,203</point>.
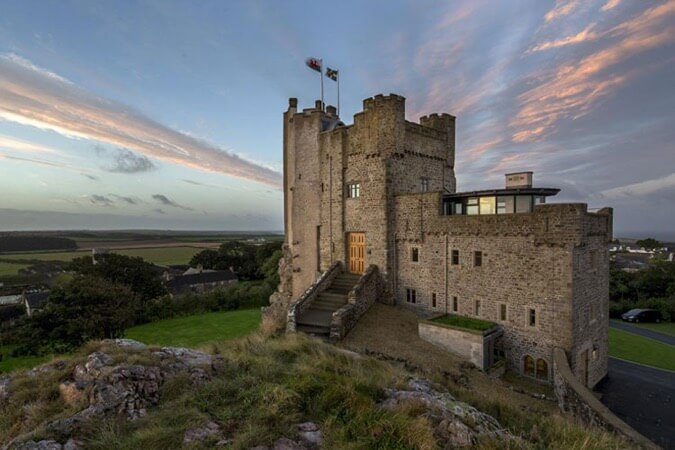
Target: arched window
<point>528,366</point>
<point>542,369</point>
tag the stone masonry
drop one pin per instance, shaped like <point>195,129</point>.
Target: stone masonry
<point>550,263</point>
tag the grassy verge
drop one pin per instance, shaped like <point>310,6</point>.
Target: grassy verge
<point>197,330</point>
<point>641,350</point>
<point>663,327</point>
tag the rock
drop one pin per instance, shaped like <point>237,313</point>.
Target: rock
<point>310,434</point>
<point>46,368</point>
<point>222,442</point>
<point>288,444</point>
<point>187,356</point>
<point>5,381</point>
<point>71,394</point>
<point>127,343</point>
<point>97,360</point>
<point>40,445</point>
<point>73,444</point>
<point>456,423</point>
<point>206,431</point>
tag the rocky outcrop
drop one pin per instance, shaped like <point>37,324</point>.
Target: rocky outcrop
<point>274,315</point>
<point>308,437</point>
<point>455,423</point>
<point>105,388</point>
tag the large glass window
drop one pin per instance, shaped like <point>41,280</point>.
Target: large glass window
<point>411,295</point>
<point>523,203</point>
<point>487,205</point>
<point>472,206</point>
<point>458,208</point>
<point>506,204</point>
<point>539,199</point>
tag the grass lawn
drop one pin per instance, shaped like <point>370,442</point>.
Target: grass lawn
<point>196,330</point>
<point>464,322</point>
<point>157,255</point>
<point>9,269</point>
<point>641,350</point>
<point>663,327</point>
<point>9,364</point>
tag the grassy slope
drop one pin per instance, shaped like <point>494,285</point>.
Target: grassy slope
<point>265,386</point>
<point>640,349</point>
<point>196,330</point>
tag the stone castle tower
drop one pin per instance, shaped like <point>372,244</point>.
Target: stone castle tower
<point>377,200</point>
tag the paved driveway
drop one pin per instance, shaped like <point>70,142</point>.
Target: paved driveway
<point>643,397</point>
<point>625,326</point>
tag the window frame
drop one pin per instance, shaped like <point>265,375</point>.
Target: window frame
<point>478,258</point>
<point>424,184</point>
<point>532,317</point>
<point>415,254</point>
<point>411,296</point>
<point>454,257</point>
<point>354,189</point>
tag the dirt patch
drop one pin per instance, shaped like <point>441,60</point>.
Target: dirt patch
<point>390,332</point>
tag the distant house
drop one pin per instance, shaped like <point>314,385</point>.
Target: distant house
<point>631,262</point>
<point>98,253</point>
<point>34,301</point>
<point>200,281</point>
<point>13,299</point>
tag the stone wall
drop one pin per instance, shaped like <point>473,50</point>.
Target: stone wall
<point>527,263</point>
<point>303,302</point>
<point>575,399</point>
<point>364,294</point>
<point>467,344</point>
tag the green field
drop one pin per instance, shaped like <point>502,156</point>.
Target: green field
<point>8,364</point>
<point>157,255</point>
<point>641,350</point>
<point>197,330</point>
<point>10,269</point>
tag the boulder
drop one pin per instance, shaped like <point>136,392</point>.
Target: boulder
<point>455,423</point>
<point>208,430</point>
<point>127,343</point>
<point>5,381</point>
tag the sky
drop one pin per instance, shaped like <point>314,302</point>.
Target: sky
<point>168,114</point>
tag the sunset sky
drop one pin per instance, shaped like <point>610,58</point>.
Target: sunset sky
<point>167,114</point>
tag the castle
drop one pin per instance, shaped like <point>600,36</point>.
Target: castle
<point>377,199</point>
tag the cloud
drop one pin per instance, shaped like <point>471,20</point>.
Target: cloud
<point>30,95</point>
<point>197,183</point>
<point>40,162</point>
<point>126,161</point>
<point>101,200</point>
<point>91,177</point>
<point>639,189</point>
<point>166,201</point>
<point>611,4</point>
<point>585,35</point>
<point>11,143</point>
<point>159,211</point>
<point>571,89</point>
<point>562,8</point>
<point>128,200</point>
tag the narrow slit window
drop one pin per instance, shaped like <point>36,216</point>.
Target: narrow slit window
<point>415,254</point>
<point>477,259</point>
<point>532,317</point>
<point>433,300</point>
<point>455,258</point>
<point>455,304</point>
<point>502,312</point>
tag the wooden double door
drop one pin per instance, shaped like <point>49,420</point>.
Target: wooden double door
<point>357,253</point>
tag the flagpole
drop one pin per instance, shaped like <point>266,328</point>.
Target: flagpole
<point>338,92</point>
<point>321,76</point>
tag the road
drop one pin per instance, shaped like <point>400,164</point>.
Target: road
<point>625,326</point>
<point>643,397</point>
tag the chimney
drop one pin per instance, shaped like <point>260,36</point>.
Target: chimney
<point>318,105</point>
<point>331,110</point>
<point>519,180</point>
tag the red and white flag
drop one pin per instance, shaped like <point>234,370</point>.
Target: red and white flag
<point>314,64</point>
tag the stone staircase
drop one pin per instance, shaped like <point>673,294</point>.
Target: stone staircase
<point>317,317</point>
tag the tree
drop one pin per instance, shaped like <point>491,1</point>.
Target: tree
<point>88,307</point>
<point>208,259</point>
<point>649,244</point>
<point>141,276</point>
<point>240,257</point>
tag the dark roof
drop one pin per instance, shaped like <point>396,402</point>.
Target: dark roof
<point>37,299</point>
<point>183,282</point>
<point>509,191</point>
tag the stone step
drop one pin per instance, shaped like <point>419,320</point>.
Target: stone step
<point>315,318</point>
<point>327,295</point>
<point>309,329</point>
<point>339,290</point>
<point>330,300</point>
<point>327,306</point>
